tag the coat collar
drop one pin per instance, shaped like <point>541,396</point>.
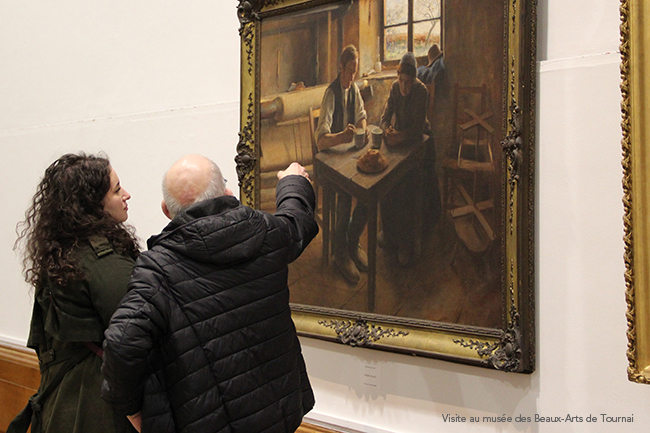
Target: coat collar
<point>198,210</point>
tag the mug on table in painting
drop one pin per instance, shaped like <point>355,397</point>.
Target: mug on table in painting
<point>376,135</point>
<point>360,138</point>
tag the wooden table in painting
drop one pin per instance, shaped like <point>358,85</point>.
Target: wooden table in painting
<point>336,169</point>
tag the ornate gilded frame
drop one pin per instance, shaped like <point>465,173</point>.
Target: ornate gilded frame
<point>635,38</point>
<point>510,348</point>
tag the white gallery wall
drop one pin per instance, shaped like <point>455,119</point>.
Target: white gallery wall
<point>149,81</point>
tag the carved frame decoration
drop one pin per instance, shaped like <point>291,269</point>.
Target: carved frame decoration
<point>509,349</point>
<point>635,38</point>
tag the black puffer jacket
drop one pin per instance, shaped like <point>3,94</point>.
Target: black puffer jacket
<point>204,340</point>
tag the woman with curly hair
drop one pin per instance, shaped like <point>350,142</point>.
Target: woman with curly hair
<point>78,256</point>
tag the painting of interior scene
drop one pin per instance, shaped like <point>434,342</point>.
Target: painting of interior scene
<point>396,108</point>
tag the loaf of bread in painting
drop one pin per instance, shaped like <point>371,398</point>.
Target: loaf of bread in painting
<point>372,162</point>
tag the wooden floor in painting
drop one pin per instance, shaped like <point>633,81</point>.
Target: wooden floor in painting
<point>447,284</point>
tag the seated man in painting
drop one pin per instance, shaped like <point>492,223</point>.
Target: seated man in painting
<point>404,123</point>
<point>428,74</point>
<point>342,112</point>
<point>434,76</point>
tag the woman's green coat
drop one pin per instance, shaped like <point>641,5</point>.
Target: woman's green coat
<point>67,318</point>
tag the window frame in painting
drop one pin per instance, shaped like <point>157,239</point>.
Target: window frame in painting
<point>410,23</point>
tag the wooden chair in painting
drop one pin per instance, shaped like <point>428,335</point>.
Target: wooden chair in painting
<point>325,197</point>
<point>469,174</point>
<point>431,87</point>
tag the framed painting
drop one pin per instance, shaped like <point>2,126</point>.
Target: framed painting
<point>416,122</point>
<point>635,39</point>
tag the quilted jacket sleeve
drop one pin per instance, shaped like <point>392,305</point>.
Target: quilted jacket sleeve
<point>295,203</point>
<point>139,322</point>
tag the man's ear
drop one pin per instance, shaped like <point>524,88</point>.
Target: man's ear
<point>163,205</point>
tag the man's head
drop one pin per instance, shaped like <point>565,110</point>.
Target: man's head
<point>406,72</point>
<point>190,180</point>
<point>349,66</point>
<point>434,54</point>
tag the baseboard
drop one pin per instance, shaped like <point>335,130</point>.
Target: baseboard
<point>332,424</point>
<point>311,428</point>
<point>19,379</point>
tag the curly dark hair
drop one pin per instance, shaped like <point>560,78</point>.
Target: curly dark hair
<point>66,210</point>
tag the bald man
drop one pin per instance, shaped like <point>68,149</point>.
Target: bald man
<point>192,179</point>
<point>204,341</point>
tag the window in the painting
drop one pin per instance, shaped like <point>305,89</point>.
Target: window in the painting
<point>411,25</point>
